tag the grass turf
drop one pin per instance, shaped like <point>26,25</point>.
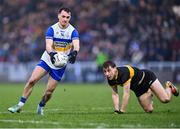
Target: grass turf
<point>83,106</point>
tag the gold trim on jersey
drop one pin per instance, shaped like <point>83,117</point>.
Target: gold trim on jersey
<point>141,78</point>
<point>63,49</point>
<point>131,72</point>
<point>117,71</point>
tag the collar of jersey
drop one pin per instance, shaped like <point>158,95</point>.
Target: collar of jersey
<point>61,27</point>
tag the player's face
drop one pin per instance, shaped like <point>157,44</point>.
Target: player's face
<point>64,18</point>
<point>110,72</point>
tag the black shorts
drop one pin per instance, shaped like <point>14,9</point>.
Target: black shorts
<point>145,83</point>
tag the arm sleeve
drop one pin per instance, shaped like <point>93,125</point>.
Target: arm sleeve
<point>131,74</point>
<point>75,34</point>
<point>49,33</point>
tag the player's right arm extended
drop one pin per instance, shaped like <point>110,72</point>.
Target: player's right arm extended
<point>49,49</point>
<point>49,45</point>
<point>115,97</point>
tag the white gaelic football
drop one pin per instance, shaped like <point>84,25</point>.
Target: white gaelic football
<point>60,60</point>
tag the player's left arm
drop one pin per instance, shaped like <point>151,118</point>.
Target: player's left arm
<point>75,40</point>
<point>73,54</point>
<point>125,98</point>
<point>76,45</point>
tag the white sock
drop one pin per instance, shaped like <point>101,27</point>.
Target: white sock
<point>21,104</point>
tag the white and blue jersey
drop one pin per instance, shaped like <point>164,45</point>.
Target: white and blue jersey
<point>62,43</point>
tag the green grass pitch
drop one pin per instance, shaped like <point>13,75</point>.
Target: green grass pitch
<point>83,106</point>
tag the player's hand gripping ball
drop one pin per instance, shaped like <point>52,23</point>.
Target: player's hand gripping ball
<point>60,60</point>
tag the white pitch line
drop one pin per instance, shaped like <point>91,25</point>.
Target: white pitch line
<point>29,121</point>
<point>99,125</point>
<point>4,112</point>
<point>56,109</point>
<point>82,109</point>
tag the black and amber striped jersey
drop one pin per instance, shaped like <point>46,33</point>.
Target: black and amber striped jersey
<point>140,80</point>
<point>125,75</point>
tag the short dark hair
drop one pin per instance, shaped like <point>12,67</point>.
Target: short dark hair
<point>65,9</point>
<point>108,63</point>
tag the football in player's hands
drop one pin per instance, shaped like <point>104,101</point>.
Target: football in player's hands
<point>52,56</point>
<point>61,59</point>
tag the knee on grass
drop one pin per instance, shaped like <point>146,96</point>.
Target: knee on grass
<point>165,100</point>
<point>148,110</point>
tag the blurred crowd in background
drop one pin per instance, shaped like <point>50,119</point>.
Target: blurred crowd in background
<point>123,30</point>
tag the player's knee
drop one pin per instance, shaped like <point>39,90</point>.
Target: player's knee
<point>149,110</point>
<point>32,82</point>
<point>165,100</point>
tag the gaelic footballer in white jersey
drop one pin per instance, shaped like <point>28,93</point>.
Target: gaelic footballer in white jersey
<point>62,41</point>
<point>61,37</point>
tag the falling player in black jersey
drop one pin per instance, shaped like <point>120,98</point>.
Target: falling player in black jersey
<point>143,82</point>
